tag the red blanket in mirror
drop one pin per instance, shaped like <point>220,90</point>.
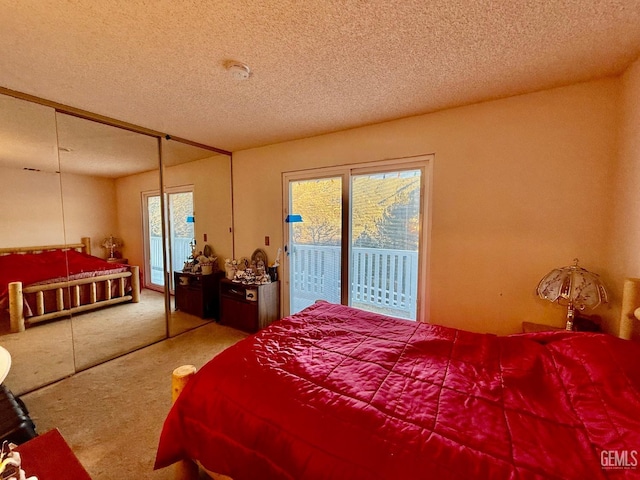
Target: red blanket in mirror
<point>54,265</point>
<point>50,267</point>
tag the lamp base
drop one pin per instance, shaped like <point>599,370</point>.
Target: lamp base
<point>570,316</point>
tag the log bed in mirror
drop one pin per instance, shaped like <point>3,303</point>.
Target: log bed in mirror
<point>47,282</point>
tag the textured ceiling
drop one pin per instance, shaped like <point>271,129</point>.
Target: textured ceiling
<point>317,66</point>
<point>35,137</point>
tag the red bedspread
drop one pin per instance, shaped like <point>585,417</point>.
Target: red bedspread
<point>337,393</point>
<point>52,265</point>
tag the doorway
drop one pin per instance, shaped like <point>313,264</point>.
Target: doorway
<point>355,235</point>
<point>181,234</point>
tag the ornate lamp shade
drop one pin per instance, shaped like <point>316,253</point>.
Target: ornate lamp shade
<point>573,287</point>
<point>111,243</point>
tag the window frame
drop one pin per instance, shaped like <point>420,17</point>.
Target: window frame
<point>346,172</point>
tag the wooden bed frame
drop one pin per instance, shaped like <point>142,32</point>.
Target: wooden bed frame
<point>17,291</point>
<point>187,469</point>
<point>630,314</point>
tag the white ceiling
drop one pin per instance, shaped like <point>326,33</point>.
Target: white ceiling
<point>317,65</point>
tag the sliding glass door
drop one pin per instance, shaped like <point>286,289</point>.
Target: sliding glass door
<point>354,236</point>
<point>181,234</point>
<point>153,264</point>
<point>314,247</point>
<point>385,240</point>
<point>181,228</point>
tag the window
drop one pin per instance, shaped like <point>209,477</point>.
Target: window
<point>181,224</point>
<point>380,261</point>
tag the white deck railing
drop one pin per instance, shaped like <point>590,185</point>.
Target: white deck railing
<point>382,280</point>
<point>181,250</point>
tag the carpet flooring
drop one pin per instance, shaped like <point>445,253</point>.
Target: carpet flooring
<point>50,351</point>
<point>111,414</point>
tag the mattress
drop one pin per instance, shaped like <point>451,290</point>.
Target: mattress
<point>337,393</point>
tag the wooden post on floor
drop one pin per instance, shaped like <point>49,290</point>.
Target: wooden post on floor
<point>179,380</point>
<point>630,302</point>
<point>185,469</point>
<point>16,307</point>
<point>135,284</point>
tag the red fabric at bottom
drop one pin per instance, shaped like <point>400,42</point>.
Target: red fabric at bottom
<point>337,393</point>
<point>49,457</point>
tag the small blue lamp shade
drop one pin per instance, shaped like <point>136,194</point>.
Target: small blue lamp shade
<point>191,219</point>
<point>293,218</point>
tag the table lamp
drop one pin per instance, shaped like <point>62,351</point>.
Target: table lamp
<point>574,287</point>
<point>111,243</point>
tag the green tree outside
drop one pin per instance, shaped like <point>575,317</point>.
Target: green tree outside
<point>386,211</point>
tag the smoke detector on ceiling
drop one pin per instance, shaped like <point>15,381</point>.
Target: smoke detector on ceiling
<point>238,70</point>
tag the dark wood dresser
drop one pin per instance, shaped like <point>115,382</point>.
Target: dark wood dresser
<point>249,307</point>
<point>198,294</point>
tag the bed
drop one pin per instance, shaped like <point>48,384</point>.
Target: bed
<point>47,282</point>
<point>338,393</point>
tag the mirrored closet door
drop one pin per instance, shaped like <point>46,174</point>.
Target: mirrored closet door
<point>31,215</point>
<point>76,186</point>
<point>103,171</point>
<point>197,193</point>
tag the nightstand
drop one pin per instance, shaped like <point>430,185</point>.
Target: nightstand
<point>118,260</point>
<point>198,294</point>
<point>249,307</point>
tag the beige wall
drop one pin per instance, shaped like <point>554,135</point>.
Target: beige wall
<point>89,210</point>
<point>31,208</point>
<point>33,202</point>
<point>625,230</point>
<point>520,186</point>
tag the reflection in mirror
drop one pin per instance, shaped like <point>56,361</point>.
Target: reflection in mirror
<point>198,194</point>
<point>31,214</point>
<point>104,169</point>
